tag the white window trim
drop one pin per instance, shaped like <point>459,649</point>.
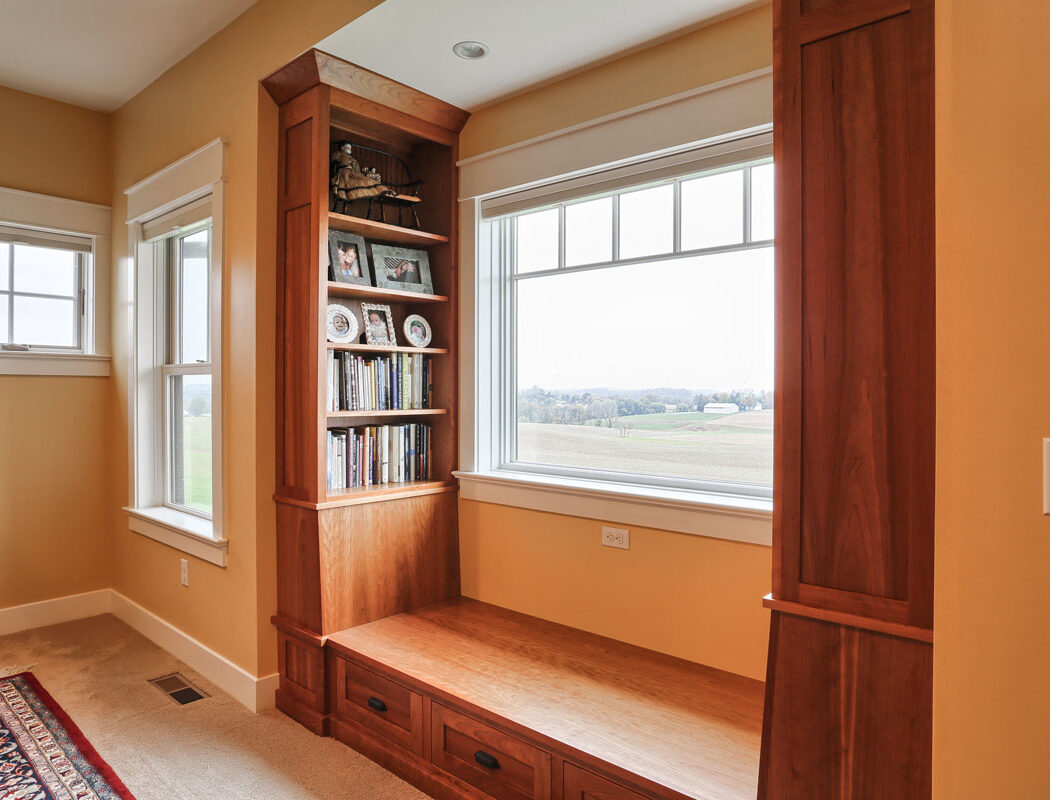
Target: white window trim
<point>89,220</point>
<point>200,174</point>
<point>704,116</point>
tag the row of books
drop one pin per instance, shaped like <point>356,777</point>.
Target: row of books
<point>378,383</point>
<point>377,454</point>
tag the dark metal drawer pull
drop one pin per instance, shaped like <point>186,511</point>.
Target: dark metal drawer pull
<point>487,761</point>
<point>376,704</point>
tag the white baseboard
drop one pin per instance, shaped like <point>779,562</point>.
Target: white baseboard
<point>54,611</point>
<point>257,694</point>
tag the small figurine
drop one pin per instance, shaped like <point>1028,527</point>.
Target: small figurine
<point>351,182</point>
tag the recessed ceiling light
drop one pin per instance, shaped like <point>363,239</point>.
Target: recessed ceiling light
<point>470,50</point>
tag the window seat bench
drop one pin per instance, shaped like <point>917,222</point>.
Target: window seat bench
<point>469,700</point>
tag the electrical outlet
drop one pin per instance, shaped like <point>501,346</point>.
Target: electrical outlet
<point>616,537</point>
<point>184,571</point>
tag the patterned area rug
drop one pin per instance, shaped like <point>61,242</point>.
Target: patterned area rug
<point>43,755</point>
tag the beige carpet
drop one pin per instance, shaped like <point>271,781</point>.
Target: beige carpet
<point>214,748</point>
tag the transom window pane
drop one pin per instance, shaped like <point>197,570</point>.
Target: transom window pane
<point>588,232</point>
<point>713,211</point>
<point>538,241</point>
<point>190,441</point>
<point>193,298</point>
<point>647,222</point>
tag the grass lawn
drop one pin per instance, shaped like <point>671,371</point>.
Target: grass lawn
<point>196,433</point>
<point>736,448</point>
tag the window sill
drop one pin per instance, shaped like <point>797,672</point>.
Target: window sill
<point>37,363</point>
<point>716,516</point>
<point>184,532</point>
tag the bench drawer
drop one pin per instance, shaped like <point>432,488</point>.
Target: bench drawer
<point>379,704</point>
<point>579,784</point>
<point>499,764</point>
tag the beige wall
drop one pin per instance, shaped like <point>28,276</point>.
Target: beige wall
<point>212,93</point>
<point>992,615</point>
<point>689,596</point>
<point>54,434</point>
<point>725,49</point>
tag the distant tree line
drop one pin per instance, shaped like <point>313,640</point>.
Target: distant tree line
<point>603,407</point>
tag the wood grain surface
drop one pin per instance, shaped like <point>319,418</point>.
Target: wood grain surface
<point>689,728</point>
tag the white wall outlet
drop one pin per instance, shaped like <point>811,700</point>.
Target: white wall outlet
<point>184,571</point>
<point>616,537</point>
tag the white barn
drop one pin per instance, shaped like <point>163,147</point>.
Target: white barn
<point>721,408</point>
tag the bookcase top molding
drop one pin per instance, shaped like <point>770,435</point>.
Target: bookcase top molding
<point>315,66</point>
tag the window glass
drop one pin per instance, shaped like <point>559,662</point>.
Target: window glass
<point>190,461</point>
<point>538,241</point>
<point>5,319</point>
<point>588,232</point>
<point>45,321</point>
<point>713,211</point>
<point>5,266</point>
<point>647,222</point>
<point>657,369</point>
<point>193,298</point>
<point>41,270</point>
<point>762,203</point>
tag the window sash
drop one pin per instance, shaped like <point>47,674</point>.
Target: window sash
<point>504,255</point>
<point>78,300</point>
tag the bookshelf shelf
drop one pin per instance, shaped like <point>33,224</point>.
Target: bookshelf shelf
<point>389,491</point>
<point>383,348</point>
<point>389,295</point>
<point>382,231</point>
<point>399,412</point>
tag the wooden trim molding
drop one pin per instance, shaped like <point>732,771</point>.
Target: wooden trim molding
<point>852,620</point>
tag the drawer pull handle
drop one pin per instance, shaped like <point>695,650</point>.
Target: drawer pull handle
<point>376,704</point>
<point>486,760</point>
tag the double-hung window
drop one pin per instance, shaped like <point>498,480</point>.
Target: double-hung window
<point>632,316</point>
<point>44,281</point>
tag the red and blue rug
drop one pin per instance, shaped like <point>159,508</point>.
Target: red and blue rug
<point>43,755</point>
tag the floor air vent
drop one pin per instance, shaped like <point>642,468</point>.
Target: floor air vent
<point>178,688</point>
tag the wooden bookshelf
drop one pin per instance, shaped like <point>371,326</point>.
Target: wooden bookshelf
<point>346,557</point>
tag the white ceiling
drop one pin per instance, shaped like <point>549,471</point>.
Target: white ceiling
<point>531,41</point>
<point>101,53</point>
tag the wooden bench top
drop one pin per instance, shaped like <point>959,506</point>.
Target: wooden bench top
<point>690,728</point>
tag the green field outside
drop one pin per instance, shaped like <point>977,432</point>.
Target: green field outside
<point>734,448</point>
<point>197,465</point>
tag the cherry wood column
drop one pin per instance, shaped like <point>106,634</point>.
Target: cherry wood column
<point>849,706</point>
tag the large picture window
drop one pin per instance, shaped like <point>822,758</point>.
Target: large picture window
<point>637,331</point>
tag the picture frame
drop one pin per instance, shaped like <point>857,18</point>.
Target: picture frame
<point>403,268</point>
<point>417,331</point>
<point>348,258</point>
<point>378,322</point>
<point>341,326</point>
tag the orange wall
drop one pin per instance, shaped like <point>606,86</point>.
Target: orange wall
<point>54,435</point>
<point>689,596</point>
<point>992,615</point>
<point>214,92</point>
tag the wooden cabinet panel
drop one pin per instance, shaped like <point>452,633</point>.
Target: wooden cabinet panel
<point>381,705</point>
<point>499,764</point>
<point>579,784</point>
<point>849,714</point>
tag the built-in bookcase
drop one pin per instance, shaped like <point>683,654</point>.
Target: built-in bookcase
<point>349,556</point>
